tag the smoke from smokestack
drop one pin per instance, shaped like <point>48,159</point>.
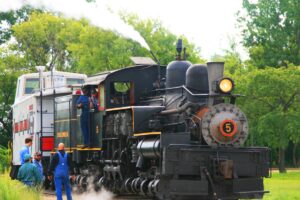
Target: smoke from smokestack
<point>96,13</point>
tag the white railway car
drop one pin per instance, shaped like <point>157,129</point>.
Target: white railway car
<point>33,111</point>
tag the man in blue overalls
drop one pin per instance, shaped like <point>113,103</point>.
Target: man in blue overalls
<point>25,150</point>
<point>83,102</point>
<point>60,164</point>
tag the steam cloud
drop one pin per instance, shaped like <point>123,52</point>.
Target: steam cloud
<point>92,195</point>
<point>96,13</point>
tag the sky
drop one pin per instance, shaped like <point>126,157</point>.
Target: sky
<point>207,23</point>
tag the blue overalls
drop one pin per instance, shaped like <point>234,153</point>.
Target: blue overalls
<point>84,118</point>
<point>61,176</point>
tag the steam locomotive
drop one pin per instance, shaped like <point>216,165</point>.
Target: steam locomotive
<point>166,132</point>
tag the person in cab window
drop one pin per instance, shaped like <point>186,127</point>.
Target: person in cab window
<point>94,103</point>
<point>83,103</point>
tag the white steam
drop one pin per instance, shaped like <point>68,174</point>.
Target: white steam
<point>96,13</point>
<point>92,195</point>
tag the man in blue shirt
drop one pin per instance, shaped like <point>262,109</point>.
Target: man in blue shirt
<point>37,162</point>
<point>25,149</point>
<point>83,102</point>
<point>29,173</point>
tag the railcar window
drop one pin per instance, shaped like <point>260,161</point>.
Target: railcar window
<point>71,81</point>
<point>31,85</point>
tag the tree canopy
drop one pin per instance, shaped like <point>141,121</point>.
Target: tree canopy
<point>271,32</point>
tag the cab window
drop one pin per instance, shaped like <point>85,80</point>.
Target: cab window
<point>120,93</point>
<point>31,85</point>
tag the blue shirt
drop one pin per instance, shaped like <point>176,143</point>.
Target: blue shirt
<point>84,100</point>
<point>38,164</point>
<point>24,150</point>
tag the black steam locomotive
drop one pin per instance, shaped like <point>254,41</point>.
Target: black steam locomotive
<point>164,132</point>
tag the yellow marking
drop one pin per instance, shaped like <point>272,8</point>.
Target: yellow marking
<point>64,120</point>
<point>121,108</point>
<point>53,152</point>
<point>62,134</point>
<point>148,133</point>
<point>66,148</point>
<point>88,149</point>
<point>80,149</point>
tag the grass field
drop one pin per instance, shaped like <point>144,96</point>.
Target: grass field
<point>283,186</point>
<point>14,190</point>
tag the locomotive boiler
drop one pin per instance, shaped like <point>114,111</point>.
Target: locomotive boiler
<point>169,132</point>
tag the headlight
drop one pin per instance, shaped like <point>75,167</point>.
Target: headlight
<point>225,85</point>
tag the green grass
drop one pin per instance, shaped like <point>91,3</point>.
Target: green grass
<point>283,186</point>
<point>15,190</point>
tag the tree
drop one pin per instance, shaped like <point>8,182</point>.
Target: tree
<point>11,66</point>
<point>71,45</point>
<point>233,64</point>
<point>272,105</point>
<point>8,19</point>
<point>38,38</point>
<point>271,32</point>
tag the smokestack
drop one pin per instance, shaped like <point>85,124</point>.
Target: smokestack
<point>215,71</point>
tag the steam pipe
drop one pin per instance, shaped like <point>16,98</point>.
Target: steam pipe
<point>158,67</point>
<point>180,109</point>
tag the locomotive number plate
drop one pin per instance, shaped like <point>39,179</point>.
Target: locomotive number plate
<point>228,128</point>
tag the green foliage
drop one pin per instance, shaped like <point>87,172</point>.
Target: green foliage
<point>38,38</point>
<point>14,190</point>
<point>4,159</point>
<point>272,104</point>
<point>77,46</point>
<point>233,64</point>
<point>271,32</point>
<point>11,66</point>
<point>8,19</point>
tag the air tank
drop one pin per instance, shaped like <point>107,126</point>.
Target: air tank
<point>197,78</point>
<point>176,71</point>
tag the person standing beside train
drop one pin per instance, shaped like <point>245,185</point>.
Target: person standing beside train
<point>60,165</point>
<point>37,162</point>
<point>25,149</point>
<point>83,103</point>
